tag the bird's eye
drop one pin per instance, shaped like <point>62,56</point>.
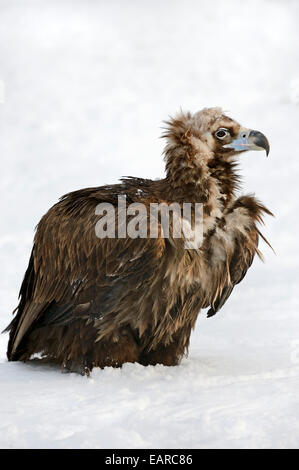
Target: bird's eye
<point>222,133</point>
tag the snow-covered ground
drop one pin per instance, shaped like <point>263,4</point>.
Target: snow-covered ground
<point>84,89</point>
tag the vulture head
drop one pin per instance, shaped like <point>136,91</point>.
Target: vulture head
<point>211,133</point>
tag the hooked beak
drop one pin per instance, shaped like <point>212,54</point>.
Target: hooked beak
<point>249,140</point>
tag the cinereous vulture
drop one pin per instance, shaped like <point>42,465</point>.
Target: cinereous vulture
<point>87,301</point>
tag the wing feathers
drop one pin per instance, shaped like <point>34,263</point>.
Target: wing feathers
<point>73,274</point>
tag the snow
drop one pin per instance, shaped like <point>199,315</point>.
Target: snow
<point>84,89</point>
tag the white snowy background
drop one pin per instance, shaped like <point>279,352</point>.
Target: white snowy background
<point>85,86</point>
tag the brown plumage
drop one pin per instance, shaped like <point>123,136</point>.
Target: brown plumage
<point>88,302</point>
